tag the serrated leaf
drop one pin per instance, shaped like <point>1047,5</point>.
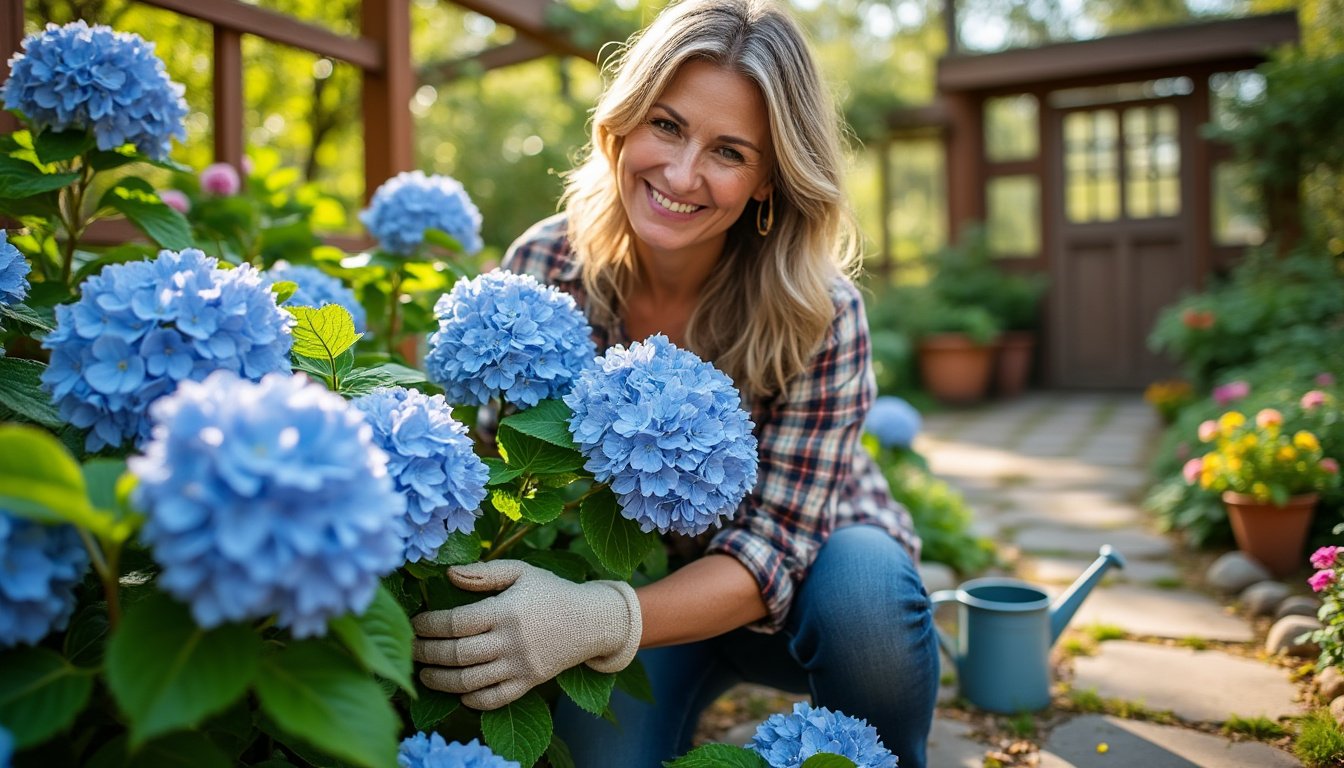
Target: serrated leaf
<point>320,369</point>
<point>520,731</point>
<point>23,316</point>
<point>40,694</point>
<point>506,503</point>
<point>135,199</point>
<point>59,146</point>
<point>166,673</point>
<point>21,391</point>
<point>500,473</point>
<point>828,760</point>
<point>431,707</point>
<point>459,549</point>
<point>283,289</point>
<point>319,695</point>
<point>323,333</point>
<point>534,455</point>
<point>547,420</point>
<point>543,507</point>
<point>634,680</point>
<point>718,756</point>
<point>618,543</point>
<point>587,687</point>
<point>380,638</point>
<point>20,179</point>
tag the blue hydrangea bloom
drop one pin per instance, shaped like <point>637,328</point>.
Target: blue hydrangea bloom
<point>266,498</point>
<point>317,289</point>
<point>140,328</point>
<point>421,751</point>
<point>82,77</point>
<point>668,432</point>
<point>40,565</point>
<point>502,333</point>
<point>13,272</point>
<point>411,202</point>
<point>893,421</point>
<point>785,741</point>
<point>6,747</point>
<point>430,458</point>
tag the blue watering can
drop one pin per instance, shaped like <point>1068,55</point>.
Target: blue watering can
<point>1005,628</point>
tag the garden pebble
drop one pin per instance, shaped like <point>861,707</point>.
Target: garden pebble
<point>1298,605</point>
<point>1337,710</point>
<point>1283,636</point>
<point>1330,683</point>
<point>1261,598</point>
<point>1234,572</point>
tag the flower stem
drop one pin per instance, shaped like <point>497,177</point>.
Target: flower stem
<point>111,589</point>
<point>72,219</point>
<point>507,544</point>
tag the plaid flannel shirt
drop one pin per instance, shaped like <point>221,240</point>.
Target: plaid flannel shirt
<point>814,475</point>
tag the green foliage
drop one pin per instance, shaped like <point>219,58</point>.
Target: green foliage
<point>942,517</point>
<point>1319,743</point>
<point>519,731</point>
<point>718,756</point>
<point>1260,727</point>
<point>966,276</point>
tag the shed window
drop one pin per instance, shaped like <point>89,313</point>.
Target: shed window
<point>1011,128</point>
<point>1014,215</point>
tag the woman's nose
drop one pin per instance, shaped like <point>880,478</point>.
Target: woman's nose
<point>683,170</point>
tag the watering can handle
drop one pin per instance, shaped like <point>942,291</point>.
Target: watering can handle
<point>937,599</point>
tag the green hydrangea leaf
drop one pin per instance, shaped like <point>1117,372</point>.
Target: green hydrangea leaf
<point>536,456</point>
<point>20,391</point>
<point>618,542</point>
<point>520,731</point>
<point>40,694</point>
<point>431,707</point>
<point>380,638</point>
<point>547,420</point>
<point>323,333</point>
<point>827,760</point>
<point>135,199</point>
<point>587,687</point>
<point>718,756</point>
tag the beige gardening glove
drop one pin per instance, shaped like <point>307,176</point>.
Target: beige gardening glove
<point>496,650</point>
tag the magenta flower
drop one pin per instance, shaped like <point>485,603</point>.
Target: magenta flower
<point>1231,392</point>
<point>220,179</point>
<point>175,199</point>
<point>1313,399</point>
<point>1324,557</point>
<point>1321,579</point>
<point>1192,469</point>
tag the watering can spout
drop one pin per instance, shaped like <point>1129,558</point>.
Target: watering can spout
<point>1063,609</point>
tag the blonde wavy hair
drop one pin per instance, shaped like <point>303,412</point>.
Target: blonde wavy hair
<point>767,306</point>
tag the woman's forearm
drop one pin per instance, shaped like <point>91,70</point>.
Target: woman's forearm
<point>706,598</point>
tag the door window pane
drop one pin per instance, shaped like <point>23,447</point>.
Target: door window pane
<point>1014,215</point>
<point>1091,168</point>
<point>1011,129</point>
<point>1152,162</point>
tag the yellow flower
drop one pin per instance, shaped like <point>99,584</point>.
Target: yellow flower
<point>1260,491</point>
<point>1306,441</point>
<point>1234,464</point>
<point>1286,453</point>
<point>1228,422</point>
<point>1249,441</point>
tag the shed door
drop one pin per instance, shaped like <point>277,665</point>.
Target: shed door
<point>1122,238</point>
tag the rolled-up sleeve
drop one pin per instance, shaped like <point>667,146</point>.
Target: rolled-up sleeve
<point>808,439</point>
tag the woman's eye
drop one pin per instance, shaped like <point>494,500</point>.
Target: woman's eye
<point>728,153</point>
<point>663,124</point>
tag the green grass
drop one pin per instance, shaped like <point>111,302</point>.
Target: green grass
<point>1077,646</point>
<point>1091,702</point>
<point>1197,643</point>
<point>1103,632</point>
<point>1260,728</point>
<point>1168,582</point>
<point>1319,742</point>
<point>1022,725</point>
<point>1088,701</point>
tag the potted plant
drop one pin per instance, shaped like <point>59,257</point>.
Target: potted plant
<point>956,349</point>
<point>1269,479</point>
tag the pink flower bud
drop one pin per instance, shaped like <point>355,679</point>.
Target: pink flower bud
<point>1324,557</point>
<point>175,199</point>
<point>1268,417</point>
<point>1208,430</point>
<point>1321,579</point>
<point>1231,392</point>
<point>1192,469</point>
<point>1330,465</point>
<point>1313,399</point>
<point>220,179</point>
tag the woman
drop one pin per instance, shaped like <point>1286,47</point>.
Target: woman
<point>708,209</point>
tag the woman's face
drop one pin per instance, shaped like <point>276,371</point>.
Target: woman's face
<point>703,151</point>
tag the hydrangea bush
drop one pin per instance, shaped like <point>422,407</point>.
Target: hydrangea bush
<point>42,565</point>
<point>788,740</point>
<point>411,202</point>
<point>14,271</point>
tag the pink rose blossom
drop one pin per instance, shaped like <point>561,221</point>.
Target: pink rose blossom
<point>1325,379</point>
<point>1208,430</point>
<point>220,179</point>
<point>1321,579</point>
<point>1231,392</point>
<point>1313,399</point>
<point>175,199</point>
<point>1192,469</point>
<point>1324,557</point>
<point>1330,465</point>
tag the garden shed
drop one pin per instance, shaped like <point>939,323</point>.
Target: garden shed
<point>1086,161</point>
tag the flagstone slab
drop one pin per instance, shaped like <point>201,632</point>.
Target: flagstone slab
<point>1132,743</point>
<point>951,746</point>
<point>1026,506</point>
<point>1173,613</point>
<point>1063,570</point>
<point>1061,540</point>
<point>1204,686</point>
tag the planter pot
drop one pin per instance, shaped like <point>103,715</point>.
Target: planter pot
<point>955,369</point>
<point>1012,366</point>
<point>1271,535</point>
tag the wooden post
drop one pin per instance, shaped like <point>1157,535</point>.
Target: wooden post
<point>11,36</point>
<point>388,130</point>
<point>965,174</point>
<point>229,110</point>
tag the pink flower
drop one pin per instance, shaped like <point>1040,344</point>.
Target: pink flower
<point>175,199</point>
<point>1313,399</point>
<point>1330,465</point>
<point>1324,557</point>
<point>1208,430</point>
<point>246,165</point>
<point>1325,379</point>
<point>1268,417</point>
<point>220,179</point>
<point>1231,392</point>
<point>1192,469</point>
<point>1321,579</point>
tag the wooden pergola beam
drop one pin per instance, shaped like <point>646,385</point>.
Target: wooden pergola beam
<point>521,50</point>
<point>528,18</point>
<point>11,38</point>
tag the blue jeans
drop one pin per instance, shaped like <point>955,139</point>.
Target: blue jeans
<point>859,639</point>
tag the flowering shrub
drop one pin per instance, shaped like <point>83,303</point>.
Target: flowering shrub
<point>140,328</point>
<point>267,498</point>
<point>82,77</point>
<point>317,289</point>
<point>893,421</point>
<point>421,751</point>
<point>669,433</point>
<point>430,459</point>
<point>42,564</point>
<point>786,741</point>
<point>507,335</point>
<point>1327,582</point>
<point>411,202</point>
<point>1260,459</point>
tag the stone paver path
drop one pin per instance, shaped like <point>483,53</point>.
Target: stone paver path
<point>1051,477</point>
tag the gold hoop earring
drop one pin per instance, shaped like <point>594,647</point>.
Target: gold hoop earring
<point>765,223</point>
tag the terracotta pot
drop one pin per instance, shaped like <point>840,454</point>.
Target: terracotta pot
<point>954,368</point>
<point>1271,535</point>
<point>1012,364</point>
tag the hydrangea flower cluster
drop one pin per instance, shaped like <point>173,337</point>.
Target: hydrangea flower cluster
<point>431,461</point>
<point>40,565</point>
<point>785,741</point>
<point>411,202</point>
<point>893,421</point>
<point>266,498</point>
<point>140,328</point>
<point>82,77</point>
<point>421,751</point>
<point>502,333</point>
<point>667,430</point>
<point>13,272</point>
<point>317,288</point>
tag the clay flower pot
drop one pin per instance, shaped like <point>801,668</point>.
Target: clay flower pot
<point>1271,535</point>
<point>954,368</point>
